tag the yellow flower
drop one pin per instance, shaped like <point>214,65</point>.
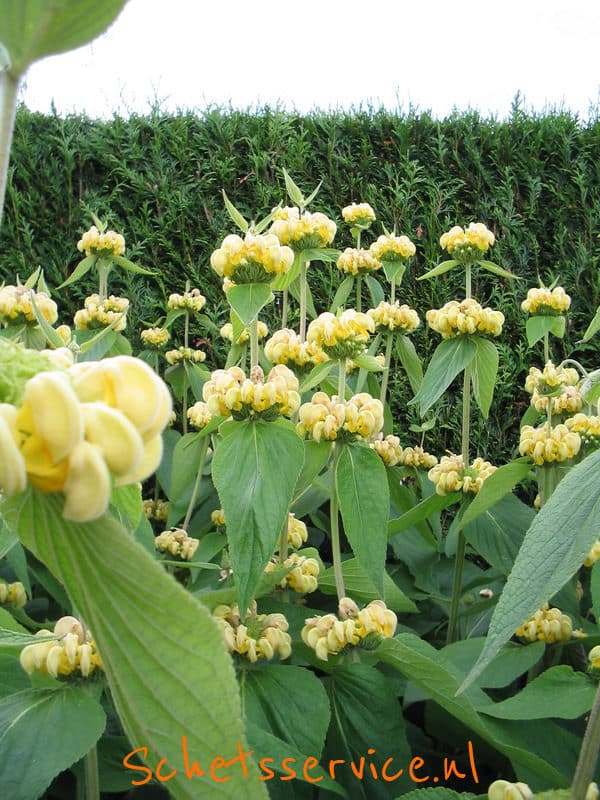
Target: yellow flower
<point>191,301</point>
<point>455,319</point>
<point>394,317</point>
<point>185,354</point>
<point>302,231</point>
<point>105,244</point>
<point>297,534</point>
<point>286,347</point>
<point>302,575</point>
<point>451,476</point>
<point>227,332</point>
<point>199,415</point>
<point>594,657</point>
<point>177,543</point>
<point>467,244</point>
<point>74,653</point>
<point>388,449</point>
<point>417,457</point>
<point>218,518</point>
<point>588,428</point>
<point>101,314</point>
<point>360,215</point>
<point>548,625</point>
<point>258,258</point>
<point>593,555</point>
<point>259,636</point>
<point>343,336</point>
<point>12,594</point>
<point>557,386</point>
<point>155,337</point>
<point>393,248</point>
<point>328,419</point>
<point>230,393</point>
<point>358,262</point>
<point>546,302</point>
<point>16,306</point>
<point>503,790</point>
<point>544,447</point>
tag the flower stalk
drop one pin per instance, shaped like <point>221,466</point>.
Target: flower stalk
<point>196,489</point>
<point>588,755</point>
<point>303,299</point>
<point>386,369</point>
<point>335,530</point>
<point>9,87</point>
<point>254,343</point>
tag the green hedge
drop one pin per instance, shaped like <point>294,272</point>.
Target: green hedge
<point>533,179</point>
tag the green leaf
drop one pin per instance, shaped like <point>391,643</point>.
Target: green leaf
<point>255,469</point>
<point>547,558</point>
<point>29,723</point>
<point>449,359</point>
<point>161,649</point>
<point>375,290</point>
<point>189,452</point>
<point>316,456</point>
<point>558,692</point>
<point>293,191</point>
<point>127,500</point>
<point>590,388</point>
<point>437,793</point>
<point>284,281</point>
<point>197,376</point>
<point>445,266</point>
<point>491,267</point>
<point>129,266</point>
<point>499,483</point>
<point>593,327</point>
<point>316,375</point>
<point>247,299</point>
<point>362,489</point>
<point>394,270</point>
<point>422,510</point>
<point>370,363</point>
<point>537,327</point>
<point>7,539</point>
<point>235,215</point>
<point>498,533</point>
<point>411,362</point>
<point>484,372</point>
<point>342,294</point>
<point>33,29</point>
<point>80,270</point>
<point>11,639</point>
<point>361,589</point>
<point>49,332</point>
<point>512,661</point>
<point>312,195</point>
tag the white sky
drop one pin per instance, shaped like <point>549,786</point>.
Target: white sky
<point>432,54</point>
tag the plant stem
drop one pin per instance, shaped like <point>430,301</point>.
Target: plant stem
<point>335,530</point>
<point>358,293</point>
<point>102,280</point>
<point>196,489</point>
<point>283,542</point>
<point>90,775</point>
<point>547,476</point>
<point>468,268</point>
<point>254,343</point>
<point>386,369</point>
<point>588,755</point>
<point>466,416</point>
<point>9,87</point>
<point>456,587</point>
<point>284,308</point>
<point>303,296</point>
<point>546,347</point>
<point>342,379</point>
<point>393,292</point>
<point>186,339</point>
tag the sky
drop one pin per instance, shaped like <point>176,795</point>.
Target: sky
<point>431,55</point>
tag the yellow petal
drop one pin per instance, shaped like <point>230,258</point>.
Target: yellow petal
<point>55,412</point>
<point>142,396</point>
<point>87,488</point>
<point>148,463</point>
<point>117,438</point>
<point>12,465</point>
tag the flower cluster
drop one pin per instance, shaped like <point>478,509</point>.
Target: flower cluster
<point>227,332</point>
<point>554,385</point>
<point>417,457</point>
<point>467,244</point>
<point>297,534</point>
<point>503,790</point>
<point>450,475</point>
<point>329,418</point>
<point>302,575</point>
<point>102,313</point>
<point>185,354</point>
<point>259,636</point>
<point>191,301</point>
<point>104,244</point>
<point>548,625</point>
<point>455,319</point>
<point>158,510</point>
<point>302,230</point>
<point>387,448</point>
<point>360,215</point>
<point>330,634</point>
<point>218,518</point>
<point>593,555</point>
<point>12,594</point>
<point>394,317</point>
<point>230,393</point>
<point>343,336</point>
<point>286,347</point>
<point>16,307</point>
<point>355,261</point>
<point>258,258</point>
<point>588,428</point>
<point>75,429</point>
<point>546,302</point>
<point>544,445</point>
<point>199,415</point>
<point>74,653</point>
<point>155,338</point>
<point>352,366</point>
<point>393,248</point>
<point>177,543</point>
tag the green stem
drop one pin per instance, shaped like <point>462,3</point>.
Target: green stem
<point>546,347</point>
<point>196,489</point>
<point>588,755</point>
<point>9,87</point>
<point>466,416</point>
<point>90,773</point>
<point>254,343</point>
<point>342,379</point>
<point>284,308</point>
<point>186,339</point>
<point>386,369</point>
<point>393,292</point>
<point>456,588</point>
<point>303,298</point>
<point>547,476</point>
<point>335,529</point>
<point>468,268</point>
<point>283,542</point>
<point>358,293</point>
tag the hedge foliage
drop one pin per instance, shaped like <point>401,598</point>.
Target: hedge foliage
<point>535,180</point>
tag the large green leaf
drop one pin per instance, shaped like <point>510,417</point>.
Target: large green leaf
<point>424,509</point>
<point>537,327</point>
<point>255,469</point>
<point>445,266</point>
<point>450,358</point>
<point>410,361</point>
<point>46,727</point>
<point>500,483</point>
<point>342,294</point>
<point>496,270</point>
<point>484,371</point>
<point>316,456</point>
<point>512,661</point>
<point>80,270</point>
<point>167,668</point>
<point>431,672</point>
<point>593,327</point>
<point>557,692</point>
<point>436,793</point>
<point>362,488</point>
<point>548,558</point>
<point>247,299</point>
<point>360,588</point>
<point>498,533</point>
<point>33,29</point>
<point>189,452</point>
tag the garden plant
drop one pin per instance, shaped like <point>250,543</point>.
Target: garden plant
<point>229,571</point>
